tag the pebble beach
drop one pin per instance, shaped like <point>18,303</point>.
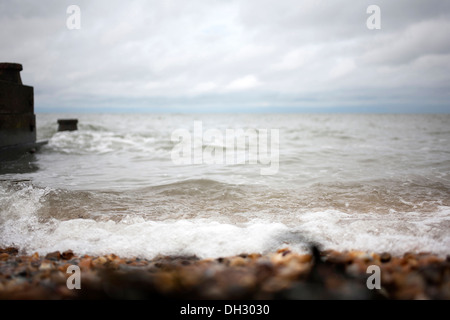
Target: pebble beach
<point>139,226</point>
<point>281,275</point>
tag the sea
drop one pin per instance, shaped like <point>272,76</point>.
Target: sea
<point>215,185</point>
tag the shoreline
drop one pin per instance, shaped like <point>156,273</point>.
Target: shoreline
<point>281,275</point>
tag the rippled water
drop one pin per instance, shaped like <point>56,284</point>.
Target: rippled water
<point>368,182</point>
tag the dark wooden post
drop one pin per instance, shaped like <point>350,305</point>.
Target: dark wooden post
<point>17,119</point>
<point>67,124</point>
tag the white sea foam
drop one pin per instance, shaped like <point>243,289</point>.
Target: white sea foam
<point>100,142</point>
<point>22,226</point>
<point>396,232</point>
<point>149,238</point>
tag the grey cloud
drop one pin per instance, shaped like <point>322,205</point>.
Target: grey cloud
<point>229,53</point>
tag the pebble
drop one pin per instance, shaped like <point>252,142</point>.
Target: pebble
<point>353,269</point>
<point>244,276</point>
<point>99,261</point>
<point>46,265</point>
<point>238,262</point>
<point>254,256</point>
<point>433,274</point>
<point>304,258</point>
<point>67,255</point>
<point>53,256</point>
<point>385,257</point>
<point>85,263</point>
<point>4,256</point>
<point>9,250</point>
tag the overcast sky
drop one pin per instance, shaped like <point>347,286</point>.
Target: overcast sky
<point>225,55</point>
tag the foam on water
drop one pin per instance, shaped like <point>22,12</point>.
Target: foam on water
<point>22,225</point>
<point>394,232</point>
<point>95,142</point>
<point>131,236</point>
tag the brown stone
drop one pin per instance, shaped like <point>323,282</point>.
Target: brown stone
<point>67,255</point>
<point>9,250</point>
<point>166,281</point>
<point>385,257</point>
<point>357,254</point>
<point>285,253</point>
<point>63,267</point>
<point>53,256</point>
<point>340,258</point>
<point>432,273</point>
<point>254,256</point>
<point>376,257</point>
<point>189,277</point>
<point>242,276</point>
<point>35,263</point>
<point>237,262</point>
<point>430,259</point>
<point>46,265</point>
<point>303,258</point>
<point>140,263</point>
<point>111,257</point>
<point>409,255</point>
<point>283,250</point>
<point>85,263</point>
<point>99,261</point>
<point>4,256</point>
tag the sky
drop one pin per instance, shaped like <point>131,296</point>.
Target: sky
<point>231,56</point>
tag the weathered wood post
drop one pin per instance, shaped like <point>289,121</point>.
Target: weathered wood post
<point>17,118</point>
<point>67,124</point>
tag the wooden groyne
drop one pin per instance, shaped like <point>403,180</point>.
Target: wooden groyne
<point>17,118</point>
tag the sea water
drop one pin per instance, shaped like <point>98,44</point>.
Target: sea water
<point>346,182</point>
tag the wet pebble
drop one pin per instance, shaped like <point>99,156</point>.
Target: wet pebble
<point>385,257</point>
<point>4,256</point>
<point>244,276</point>
<point>45,265</point>
<point>67,255</point>
<point>53,256</point>
<point>9,250</point>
